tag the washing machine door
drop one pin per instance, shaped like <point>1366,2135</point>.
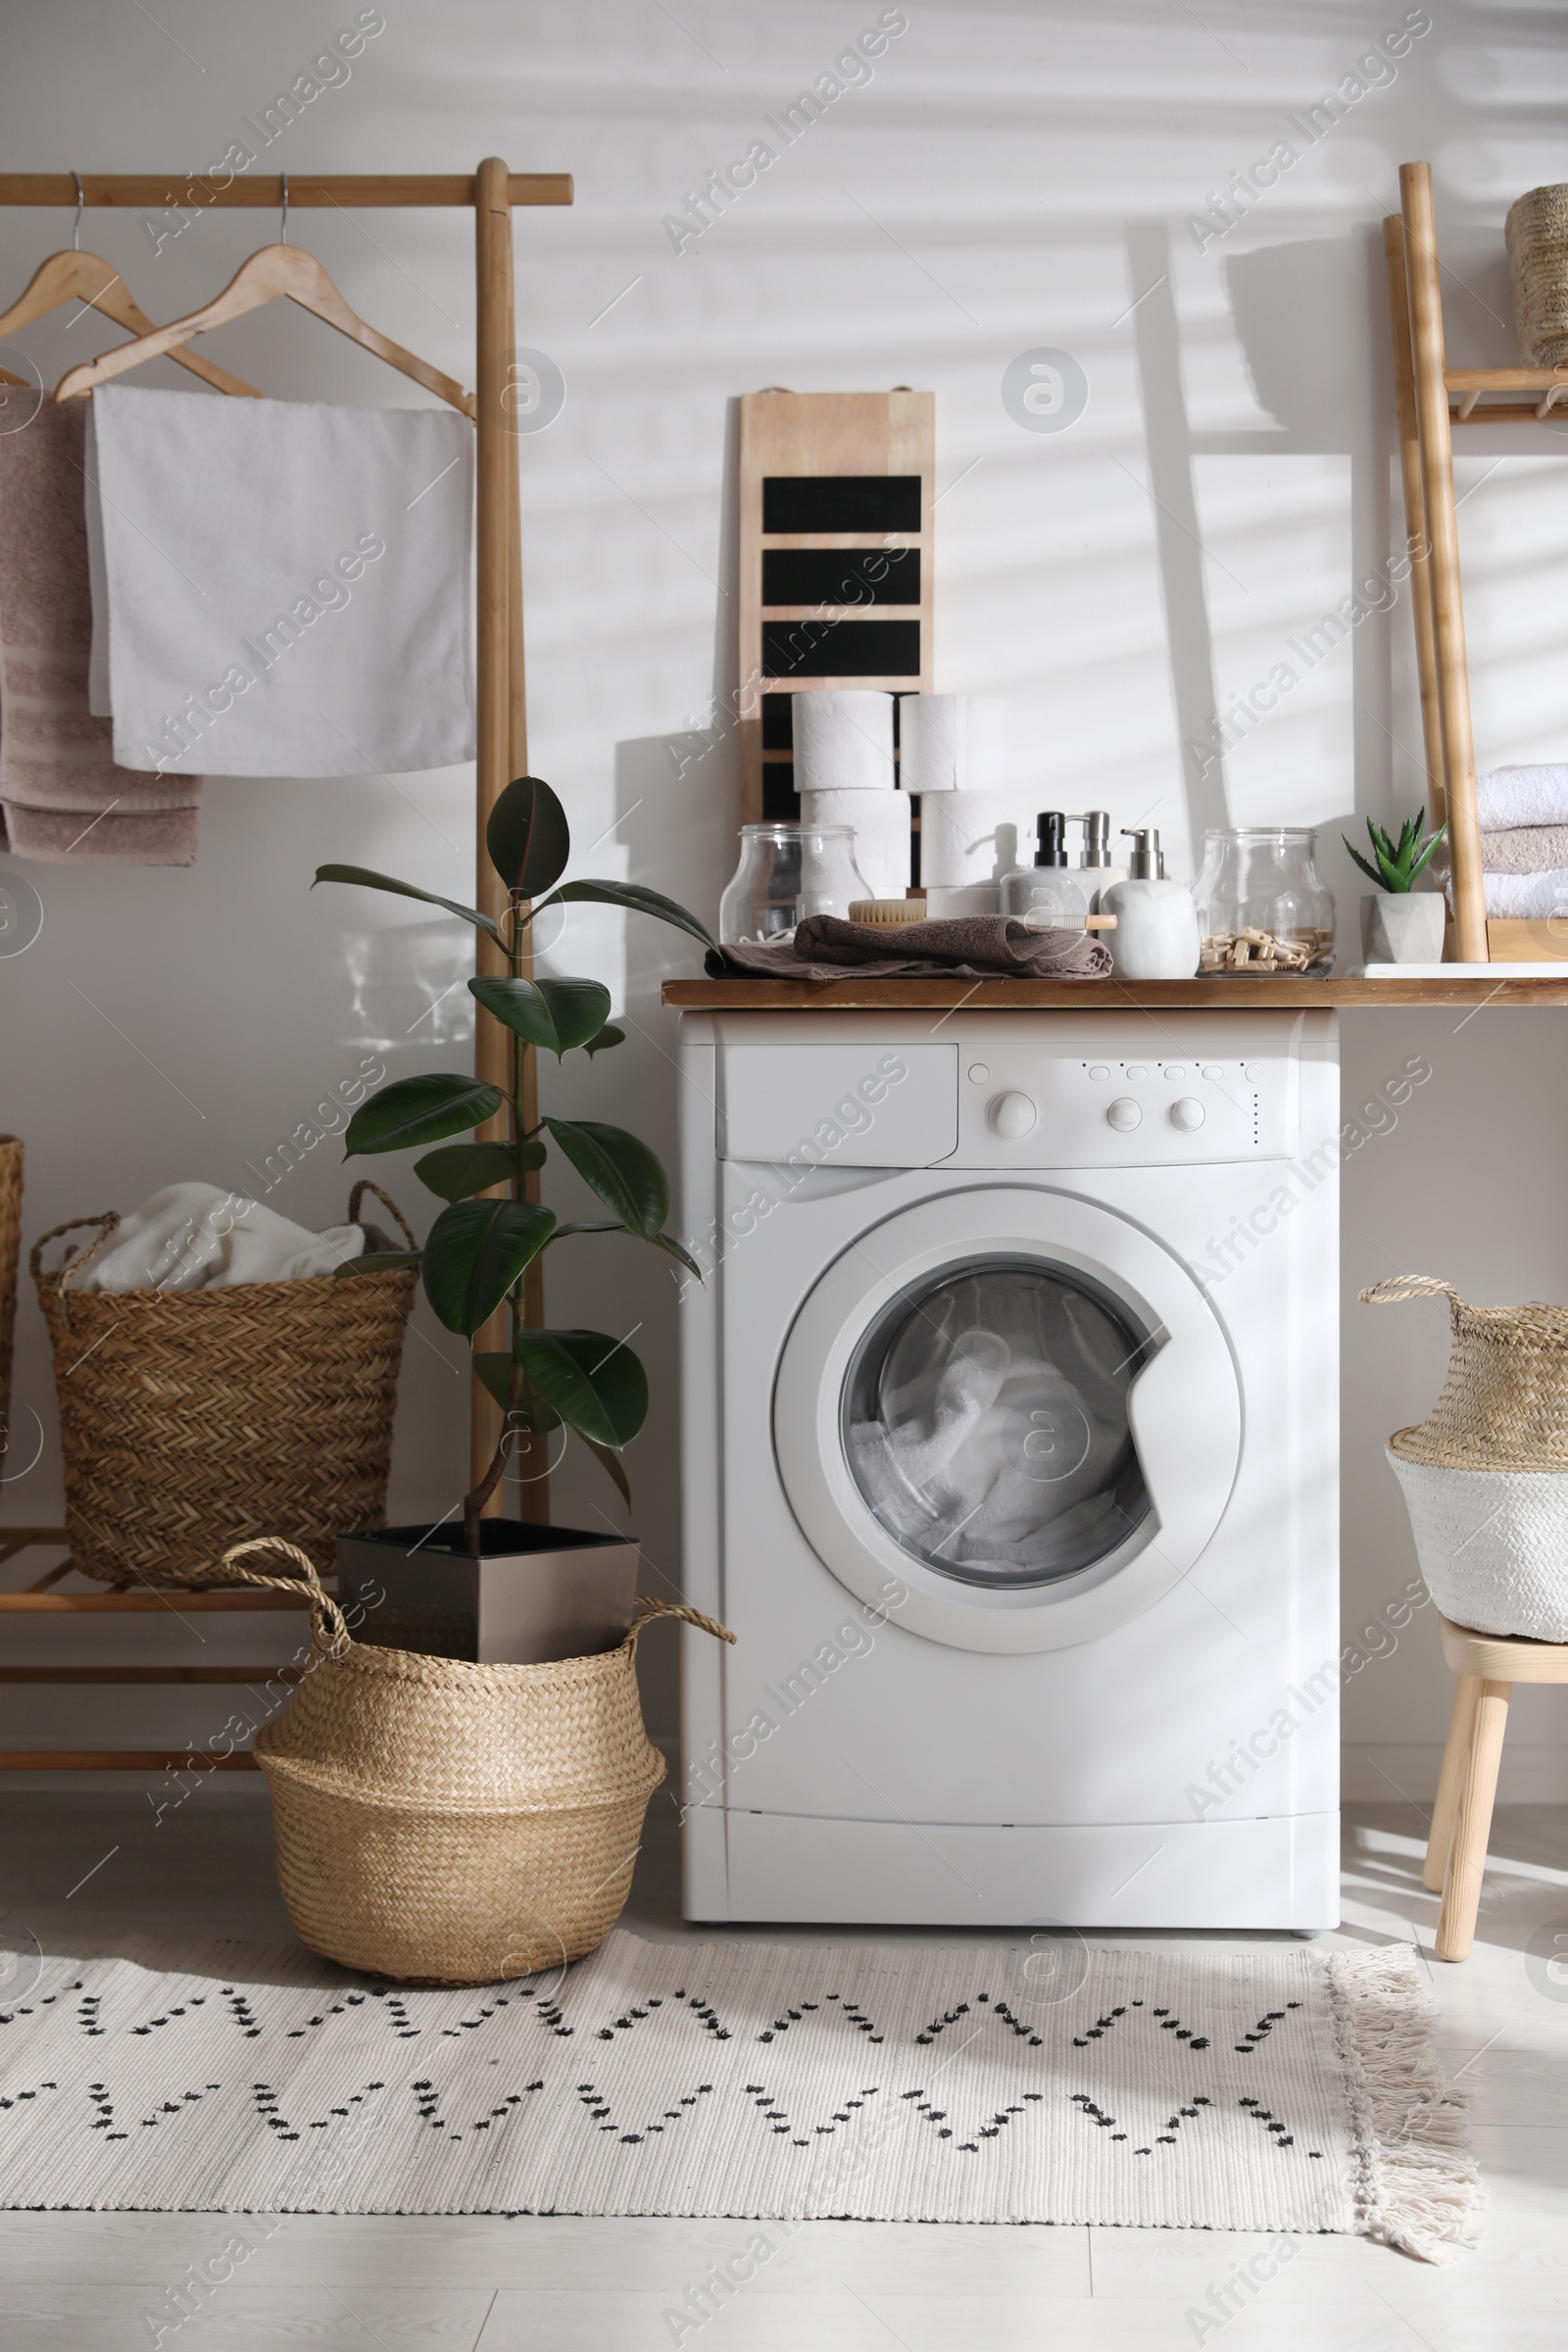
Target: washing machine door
<point>1013,1410</point>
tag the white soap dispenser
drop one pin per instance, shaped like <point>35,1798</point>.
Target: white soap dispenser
<point>1157,923</point>
<point>1048,896</point>
<point>1095,868</point>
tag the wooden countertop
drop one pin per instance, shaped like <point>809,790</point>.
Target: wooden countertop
<point>1101,995</point>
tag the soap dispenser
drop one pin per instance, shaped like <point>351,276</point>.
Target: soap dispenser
<point>1095,868</point>
<point>1046,896</point>
<point>1157,923</point>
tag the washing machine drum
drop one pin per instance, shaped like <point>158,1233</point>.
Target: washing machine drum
<point>1016,1408</point>
<point>986,1425</point>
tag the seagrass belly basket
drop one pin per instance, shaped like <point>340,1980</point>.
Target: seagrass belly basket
<point>192,1419</point>
<point>1486,1474</point>
<point>445,1822</point>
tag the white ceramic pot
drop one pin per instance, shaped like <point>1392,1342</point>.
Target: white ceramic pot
<point>1156,929</point>
<point>1402,926</point>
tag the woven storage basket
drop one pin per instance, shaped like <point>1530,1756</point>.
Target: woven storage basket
<point>1536,237</point>
<point>193,1419</point>
<point>1486,1474</point>
<point>1504,1404</point>
<point>451,1823</point>
<point>1492,1546</point>
<point>10,1250</point>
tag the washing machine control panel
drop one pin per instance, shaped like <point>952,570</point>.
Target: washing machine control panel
<point>1031,1110</point>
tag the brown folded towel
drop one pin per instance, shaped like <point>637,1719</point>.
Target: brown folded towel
<point>1525,850</point>
<point>972,947</point>
<point>62,798</point>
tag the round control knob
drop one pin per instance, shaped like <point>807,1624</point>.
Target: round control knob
<point>1187,1113</point>
<point>1011,1116</point>
<point>1123,1114</point>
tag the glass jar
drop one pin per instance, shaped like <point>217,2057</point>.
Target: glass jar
<point>1260,904</point>
<point>788,870</point>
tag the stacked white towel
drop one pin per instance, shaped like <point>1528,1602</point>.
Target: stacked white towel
<point>280,588</point>
<point>1522,796</point>
<point>1524,881</point>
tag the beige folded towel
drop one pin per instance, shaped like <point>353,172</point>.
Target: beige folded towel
<point>1525,850</point>
<point>62,798</point>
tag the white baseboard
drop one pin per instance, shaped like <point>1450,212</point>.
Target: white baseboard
<point>1387,1771</point>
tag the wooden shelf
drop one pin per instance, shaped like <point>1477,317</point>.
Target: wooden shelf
<point>1548,385</point>
<point>1101,995</point>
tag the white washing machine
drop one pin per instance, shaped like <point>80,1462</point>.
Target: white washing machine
<point>1011,1455</point>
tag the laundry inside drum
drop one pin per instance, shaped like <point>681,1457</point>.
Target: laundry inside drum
<point>985,1422</point>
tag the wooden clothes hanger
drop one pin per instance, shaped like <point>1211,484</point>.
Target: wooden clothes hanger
<point>73,276</point>
<point>274,271</point>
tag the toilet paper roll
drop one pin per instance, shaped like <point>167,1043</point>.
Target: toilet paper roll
<point>881,823</point>
<point>955,742</point>
<point>843,742</point>
<point>968,837</point>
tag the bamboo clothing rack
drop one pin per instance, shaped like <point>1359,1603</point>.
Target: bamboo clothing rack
<point>1432,397</point>
<point>491,193</point>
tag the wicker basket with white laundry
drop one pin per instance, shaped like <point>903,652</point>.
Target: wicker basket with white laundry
<point>1486,1474</point>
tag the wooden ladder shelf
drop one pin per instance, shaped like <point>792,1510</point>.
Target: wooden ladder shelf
<point>1431,398</point>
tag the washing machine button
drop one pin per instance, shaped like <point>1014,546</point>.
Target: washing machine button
<point>979,1072</point>
<point>1187,1113</point>
<point>1211,1069</point>
<point>1136,1069</point>
<point>1253,1072</point>
<point>1123,1114</point>
<point>1098,1069</point>
<point>1011,1116</point>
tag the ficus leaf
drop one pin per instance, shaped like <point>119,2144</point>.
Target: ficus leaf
<point>595,1382</point>
<point>609,1460</point>
<point>626,1176</point>
<point>498,1374</point>
<point>421,1111</point>
<point>459,1170</point>
<point>404,890</point>
<point>528,837</point>
<point>636,898</point>
<point>554,1014</point>
<point>678,1249</point>
<point>476,1252</point>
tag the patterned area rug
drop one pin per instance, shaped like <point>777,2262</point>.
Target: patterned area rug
<point>1278,2091</point>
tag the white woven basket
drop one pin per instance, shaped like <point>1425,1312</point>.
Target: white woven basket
<point>1492,1546</point>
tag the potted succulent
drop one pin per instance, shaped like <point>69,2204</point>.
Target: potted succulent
<point>496,1587</point>
<point>1401,924</point>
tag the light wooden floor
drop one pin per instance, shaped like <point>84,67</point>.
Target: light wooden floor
<point>80,2282</point>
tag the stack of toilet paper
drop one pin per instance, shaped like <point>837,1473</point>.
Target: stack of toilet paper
<point>844,776</point>
<point>956,750</point>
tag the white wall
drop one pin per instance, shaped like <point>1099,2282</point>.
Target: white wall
<point>1011,177</point>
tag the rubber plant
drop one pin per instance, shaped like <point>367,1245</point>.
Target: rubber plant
<point>480,1247</point>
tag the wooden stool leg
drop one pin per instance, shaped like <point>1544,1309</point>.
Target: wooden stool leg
<point>1461,1894</point>
<point>1451,1781</point>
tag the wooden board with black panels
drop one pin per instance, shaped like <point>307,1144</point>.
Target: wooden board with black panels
<point>836,492</point>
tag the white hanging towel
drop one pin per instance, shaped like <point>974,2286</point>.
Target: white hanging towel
<point>280,588</point>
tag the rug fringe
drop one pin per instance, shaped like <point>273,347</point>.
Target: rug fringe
<point>1419,2188</point>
